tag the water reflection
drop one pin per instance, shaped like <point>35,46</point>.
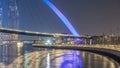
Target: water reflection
<point>12,56</point>
<point>71,60</point>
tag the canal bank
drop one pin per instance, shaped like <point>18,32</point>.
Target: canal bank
<point>106,52</point>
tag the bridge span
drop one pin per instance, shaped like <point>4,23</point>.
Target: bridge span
<point>32,33</point>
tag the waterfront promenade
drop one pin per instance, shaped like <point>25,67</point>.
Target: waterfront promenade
<point>112,51</point>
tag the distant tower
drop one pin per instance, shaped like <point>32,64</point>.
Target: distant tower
<point>1,19</point>
<point>13,21</point>
<point>0,14</point>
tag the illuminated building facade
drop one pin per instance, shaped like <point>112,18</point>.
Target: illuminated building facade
<point>13,21</point>
<point>9,18</point>
<point>0,19</point>
<point>0,14</point>
<point>13,15</point>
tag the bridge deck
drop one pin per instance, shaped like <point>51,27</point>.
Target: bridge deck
<point>32,33</point>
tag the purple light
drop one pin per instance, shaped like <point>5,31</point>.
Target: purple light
<point>72,60</point>
<point>78,41</point>
<point>62,17</point>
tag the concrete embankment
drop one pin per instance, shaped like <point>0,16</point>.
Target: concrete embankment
<point>106,52</point>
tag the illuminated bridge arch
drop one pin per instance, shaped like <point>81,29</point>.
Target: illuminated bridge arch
<point>62,17</point>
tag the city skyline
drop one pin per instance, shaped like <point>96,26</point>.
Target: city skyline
<point>9,18</point>
<point>88,17</point>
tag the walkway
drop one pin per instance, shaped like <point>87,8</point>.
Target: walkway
<point>106,50</point>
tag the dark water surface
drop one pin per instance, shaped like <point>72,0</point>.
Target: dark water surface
<point>26,56</point>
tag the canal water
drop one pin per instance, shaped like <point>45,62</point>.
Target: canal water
<point>26,56</point>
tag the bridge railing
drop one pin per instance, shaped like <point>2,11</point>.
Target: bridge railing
<point>113,47</point>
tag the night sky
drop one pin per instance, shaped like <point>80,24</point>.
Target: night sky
<point>89,17</point>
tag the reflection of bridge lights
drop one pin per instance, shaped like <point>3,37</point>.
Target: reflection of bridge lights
<point>48,60</point>
<point>68,60</point>
<point>4,55</point>
<point>72,62</point>
<point>27,58</point>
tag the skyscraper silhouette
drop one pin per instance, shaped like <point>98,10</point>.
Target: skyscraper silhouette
<point>9,18</point>
<point>13,21</point>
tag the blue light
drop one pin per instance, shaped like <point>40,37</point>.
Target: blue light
<point>75,60</point>
<point>78,41</point>
<point>69,60</point>
<point>62,17</point>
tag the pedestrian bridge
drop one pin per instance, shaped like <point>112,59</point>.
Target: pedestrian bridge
<point>33,33</point>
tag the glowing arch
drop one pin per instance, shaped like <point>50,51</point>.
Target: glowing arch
<point>62,17</point>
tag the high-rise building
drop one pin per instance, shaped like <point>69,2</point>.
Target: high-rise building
<point>13,15</point>
<point>13,21</point>
<point>0,15</point>
<point>9,18</point>
<point>0,19</point>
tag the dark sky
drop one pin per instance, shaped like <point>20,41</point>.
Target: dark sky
<point>91,17</point>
